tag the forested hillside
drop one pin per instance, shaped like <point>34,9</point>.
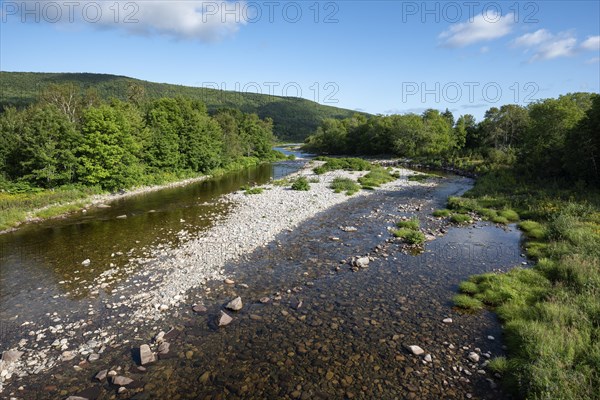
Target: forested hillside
<point>293,118</point>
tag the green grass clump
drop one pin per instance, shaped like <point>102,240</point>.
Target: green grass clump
<point>255,190</point>
<point>347,185</point>
<point>377,177</point>
<point>498,365</point>
<point>500,220</point>
<point>301,184</point>
<point>468,287</point>
<point>410,236</point>
<point>509,214</point>
<point>533,229</point>
<point>460,218</point>
<point>467,302</point>
<point>412,223</point>
<point>441,213</point>
<point>419,177</point>
<point>282,182</point>
<point>462,204</point>
<point>488,213</point>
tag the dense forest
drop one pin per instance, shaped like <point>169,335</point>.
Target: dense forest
<point>293,118</point>
<point>550,138</point>
<point>74,137</point>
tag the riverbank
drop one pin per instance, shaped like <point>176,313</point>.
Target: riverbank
<point>25,208</point>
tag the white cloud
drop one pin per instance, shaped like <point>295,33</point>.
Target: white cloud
<point>483,27</point>
<point>205,21</point>
<point>547,46</point>
<point>484,49</point>
<point>532,39</point>
<point>594,60</point>
<point>591,43</point>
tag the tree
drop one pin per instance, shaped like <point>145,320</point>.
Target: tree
<point>66,97</point>
<point>46,147</point>
<point>582,153</point>
<point>107,155</point>
<point>464,129</point>
<point>11,122</point>
<point>551,120</point>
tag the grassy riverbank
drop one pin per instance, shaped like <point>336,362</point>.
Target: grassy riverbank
<point>21,203</point>
<point>551,312</point>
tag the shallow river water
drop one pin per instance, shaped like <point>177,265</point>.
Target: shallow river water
<point>327,330</point>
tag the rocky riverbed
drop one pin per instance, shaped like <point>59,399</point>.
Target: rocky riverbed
<point>329,307</point>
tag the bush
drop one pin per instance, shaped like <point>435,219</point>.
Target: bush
<point>301,184</point>
<point>532,229</point>
<point>345,185</point>
<point>348,164</point>
<point>468,287</point>
<point>419,177</point>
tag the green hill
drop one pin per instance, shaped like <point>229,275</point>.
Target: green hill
<point>294,118</point>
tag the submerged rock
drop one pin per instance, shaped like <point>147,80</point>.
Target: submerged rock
<point>101,375</point>
<point>199,308</point>
<point>146,355</point>
<point>121,380</point>
<point>11,356</point>
<point>235,304</point>
<point>474,357</point>
<point>224,319</point>
<point>362,262</point>
<point>86,262</point>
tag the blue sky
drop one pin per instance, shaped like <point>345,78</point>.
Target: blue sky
<point>377,56</point>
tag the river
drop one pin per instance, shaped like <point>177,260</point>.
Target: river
<point>326,331</point>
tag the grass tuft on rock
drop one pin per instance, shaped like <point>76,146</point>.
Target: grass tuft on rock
<point>301,184</point>
<point>346,185</point>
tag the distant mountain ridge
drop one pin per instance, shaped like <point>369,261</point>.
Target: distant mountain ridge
<point>294,118</point>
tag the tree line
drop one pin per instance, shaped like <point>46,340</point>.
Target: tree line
<point>549,138</point>
<point>70,136</point>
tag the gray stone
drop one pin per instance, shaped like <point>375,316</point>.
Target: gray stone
<point>224,319</point>
<point>447,320</point>
<point>474,357</point>
<point>235,304</point>
<point>102,375</point>
<point>362,262</point>
<point>121,380</point>
<point>146,355</point>
<point>199,308</point>
<point>416,350</point>
<point>163,348</point>
<point>11,356</point>
<point>93,357</point>
<point>428,358</point>
<point>86,262</point>
<point>76,398</point>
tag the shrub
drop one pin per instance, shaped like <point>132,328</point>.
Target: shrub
<point>375,178</point>
<point>345,185</point>
<point>500,220</point>
<point>301,184</point>
<point>468,287</point>
<point>532,229</point>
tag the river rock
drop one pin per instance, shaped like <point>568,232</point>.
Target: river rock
<point>235,304</point>
<point>76,398</point>
<point>101,375</point>
<point>428,358</point>
<point>67,355</point>
<point>199,308</point>
<point>229,281</point>
<point>474,357</point>
<point>93,357</point>
<point>163,348</point>
<point>224,319</point>
<point>362,262</point>
<point>146,355</point>
<point>265,300</point>
<point>11,356</point>
<point>86,262</point>
<point>121,380</point>
<point>416,350</point>
<point>447,320</point>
